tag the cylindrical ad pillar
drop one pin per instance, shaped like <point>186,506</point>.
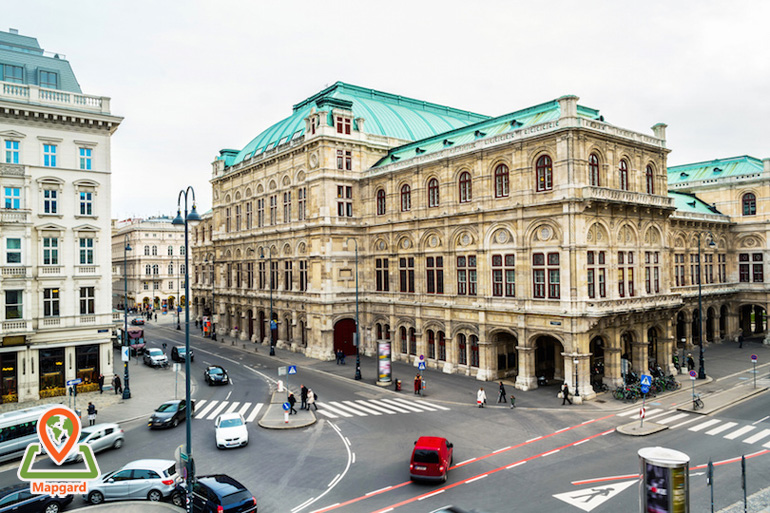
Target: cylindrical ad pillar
<point>665,483</point>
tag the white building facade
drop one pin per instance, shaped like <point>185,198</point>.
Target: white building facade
<point>55,225</point>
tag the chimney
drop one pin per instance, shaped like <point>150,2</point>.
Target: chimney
<point>766,165</point>
<point>660,130</point>
<point>568,106</point>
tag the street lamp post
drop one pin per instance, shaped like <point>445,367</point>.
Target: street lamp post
<point>213,297</point>
<point>270,284</point>
<point>701,364</point>
<point>178,220</point>
<point>126,249</point>
<point>577,390</point>
<point>356,335</point>
<point>178,291</point>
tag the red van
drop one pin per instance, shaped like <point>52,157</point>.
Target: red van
<point>431,459</point>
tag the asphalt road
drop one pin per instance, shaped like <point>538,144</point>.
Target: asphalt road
<point>356,457</point>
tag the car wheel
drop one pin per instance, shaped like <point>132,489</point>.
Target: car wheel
<point>118,443</point>
<point>443,479</point>
<point>177,499</point>
<point>175,423</point>
<point>95,497</point>
<point>154,496</point>
<point>52,507</point>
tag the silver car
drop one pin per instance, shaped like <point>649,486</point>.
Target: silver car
<point>155,358</point>
<point>99,437</point>
<point>142,479</point>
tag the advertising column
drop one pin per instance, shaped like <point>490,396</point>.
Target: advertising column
<point>665,483</point>
<point>384,377</point>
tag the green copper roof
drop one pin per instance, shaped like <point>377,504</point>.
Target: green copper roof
<point>686,202</point>
<point>384,114</point>
<point>719,168</point>
<point>537,114</point>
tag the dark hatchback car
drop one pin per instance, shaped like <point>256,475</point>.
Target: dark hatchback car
<point>19,500</point>
<point>169,414</point>
<point>179,353</point>
<point>217,494</point>
<point>137,321</point>
<point>216,375</point>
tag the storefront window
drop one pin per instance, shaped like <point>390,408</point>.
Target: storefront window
<point>51,372</point>
<point>87,358</point>
<point>8,379</point>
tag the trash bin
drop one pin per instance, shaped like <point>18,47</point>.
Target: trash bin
<point>398,385</point>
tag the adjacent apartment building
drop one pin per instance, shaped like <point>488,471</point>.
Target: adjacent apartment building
<point>54,224</point>
<point>544,242</point>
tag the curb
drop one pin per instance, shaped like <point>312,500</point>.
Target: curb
<point>633,429</point>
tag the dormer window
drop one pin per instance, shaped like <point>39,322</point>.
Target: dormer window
<point>343,125</point>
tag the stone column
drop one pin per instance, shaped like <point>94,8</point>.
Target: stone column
<point>486,361</point>
<point>613,376</point>
<point>688,332</point>
<point>639,362</point>
<point>717,336</point>
<point>526,379</point>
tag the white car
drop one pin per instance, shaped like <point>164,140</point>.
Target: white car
<point>155,358</point>
<point>231,431</point>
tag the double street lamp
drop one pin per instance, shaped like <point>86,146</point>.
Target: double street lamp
<point>213,297</point>
<point>270,322</point>
<point>178,306</point>
<point>701,364</point>
<point>192,217</point>
<point>126,249</point>
<point>356,335</point>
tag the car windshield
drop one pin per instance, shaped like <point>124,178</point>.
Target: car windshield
<point>226,423</point>
<point>83,436</point>
<point>425,456</point>
<point>234,498</point>
<point>215,370</point>
<point>181,350</point>
<point>167,407</point>
<point>156,352</point>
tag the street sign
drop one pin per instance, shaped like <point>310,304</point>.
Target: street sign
<point>282,371</point>
<point>753,358</point>
<point>693,374</point>
<point>646,380</point>
<point>286,406</point>
<point>176,367</point>
<point>642,412</point>
<point>292,370</point>
<point>422,357</point>
<point>124,354</point>
<point>589,498</point>
<point>273,325</point>
<point>421,365</point>
<point>75,381</point>
<point>645,389</point>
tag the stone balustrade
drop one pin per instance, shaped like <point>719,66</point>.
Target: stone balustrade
<point>53,97</point>
<point>619,196</point>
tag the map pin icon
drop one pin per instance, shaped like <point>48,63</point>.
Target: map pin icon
<point>59,430</point>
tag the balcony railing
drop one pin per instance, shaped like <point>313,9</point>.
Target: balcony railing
<point>87,319</point>
<point>51,321</point>
<point>618,196</point>
<point>14,272</point>
<point>50,271</point>
<point>53,97</point>
<point>10,215</point>
<point>86,269</point>
<point>634,303</point>
<point>15,326</point>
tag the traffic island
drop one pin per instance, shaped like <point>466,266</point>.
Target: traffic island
<point>635,429</point>
<point>276,417</point>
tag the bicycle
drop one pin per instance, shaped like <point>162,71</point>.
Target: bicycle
<point>697,402</point>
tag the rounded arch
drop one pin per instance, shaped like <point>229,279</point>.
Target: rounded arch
<point>500,234</point>
<point>536,234</point>
<point>271,186</point>
<point>627,235</point>
<point>286,181</point>
<point>301,247</point>
<point>248,192</point>
<point>238,254</point>
<point>463,237</point>
<point>260,189</point>
<point>237,195</point>
<point>598,233</point>
<point>466,328</point>
<point>379,245</point>
<point>405,243</point>
<point>287,249</point>
<point>431,240</point>
<point>227,198</point>
<point>299,177</point>
<point>653,236</point>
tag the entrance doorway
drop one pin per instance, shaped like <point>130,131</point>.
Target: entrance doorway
<point>343,336</point>
<point>549,362</point>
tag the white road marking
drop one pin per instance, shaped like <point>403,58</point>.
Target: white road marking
<point>627,413</point>
<point>673,418</point>
<point>723,427</point>
<point>200,403</point>
<point>687,422</point>
<point>254,413</point>
<point>501,450</point>
<point>333,480</point>
<point>361,407</point>
<point>760,420</point>
<point>232,407</point>
<point>759,436</point>
<point>434,405</point>
<point>216,410</point>
<point>739,432</point>
<point>476,478</point>
<point>549,453</point>
<point>404,404</point>
<point>466,461</point>
<point>432,494</point>
<point>204,411</point>
<point>704,425</point>
<point>341,409</point>
<point>415,404</point>
<point>393,407</point>
<point>580,442</point>
<point>228,395</point>
<point>516,464</point>
<point>329,414</point>
<point>243,409</point>
<point>372,404</point>
<point>380,490</point>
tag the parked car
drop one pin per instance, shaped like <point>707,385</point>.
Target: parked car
<point>142,479</point>
<point>217,494</point>
<point>155,358</point>
<point>137,321</point>
<point>230,431</point>
<point>170,414</point>
<point>99,437</point>
<point>431,458</point>
<point>179,353</point>
<point>18,499</point>
<point>216,375</point>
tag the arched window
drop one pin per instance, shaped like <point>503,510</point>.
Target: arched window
<point>147,250</point>
<point>147,269</point>
<point>171,269</point>
<point>441,346</point>
<point>431,345</point>
<point>379,331</point>
<point>403,340</point>
<point>623,175</point>
<point>406,198</point>
<point>593,170</point>
<point>650,179</point>
<point>462,352</point>
<point>474,351</point>
<point>749,202</point>
<point>412,341</point>
<point>386,330</point>
<point>501,181</point>
<point>155,269</point>
<point>433,193</point>
<point>381,202</point>
<point>544,168</point>
<point>465,187</point>
<point>155,251</point>
<point>171,251</point>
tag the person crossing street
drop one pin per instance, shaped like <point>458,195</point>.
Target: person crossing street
<point>501,396</point>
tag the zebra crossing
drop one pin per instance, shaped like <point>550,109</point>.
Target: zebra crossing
<point>375,407</point>
<point>699,424</point>
<point>208,410</point>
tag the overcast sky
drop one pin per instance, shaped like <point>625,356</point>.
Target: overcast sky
<point>192,77</point>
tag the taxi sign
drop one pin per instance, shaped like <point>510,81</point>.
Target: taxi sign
<point>693,374</point>
<point>421,366</point>
<point>646,380</point>
<point>292,370</point>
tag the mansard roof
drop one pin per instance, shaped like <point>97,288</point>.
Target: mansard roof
<point>743,166</point>
<point>25,52</point>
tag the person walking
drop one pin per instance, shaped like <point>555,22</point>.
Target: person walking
<point>101,383</point>
<point>690,362</point>
<point>311,399</point>
<point>417,384</point>
<point>337,357</point>
<point>292,402</point>
<point>303,397</point>
<point>565,395</point>
<point>116,384</point>
<point>513,401</point>
<point>91,413</point>
<point>501,396</point>
<point>481,397</point>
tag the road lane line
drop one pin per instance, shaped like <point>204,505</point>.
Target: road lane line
<point>371,404</point>
<point>704,425</point>
<point>474,479</point>
<point>232,407</point>
<point>344,472</point>
<point>466,461</point>
<point>549,453</point>
<point>431,495</point>
<point>297,508</point>
<point>380,490</point>
<point>580,442</point>
<point>759,436</point>
<point>362,407</point>
<point>202,413</point>
<point>739,432</point>
<point>723,427</point>
<point>333,480</point>
<point>216,410</point>
<point>328,414</point>
<point>760,420</point>
<point>515,464</point>
<point>335,411</point>
<point>501,450</point>
<point>243,409</point>
<point>533,439</point>
<point>425,407</point>
<point>199,404</point>
<point>254,412</point>
<point>562,430</point>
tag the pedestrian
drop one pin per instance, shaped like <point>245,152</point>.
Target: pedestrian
<point>292,402</point>
<point>342,357</point>
<point>501,397</point>
<point>565,395</point>
<point>513,401</point>
<point>156,316</point>
<point>303,397</point>
<point>481,397</point>
<point>740,338</point>
<point>418,384</point>
<point>101,383</point>
<point>116,384</point>
<point>690,362</point>
<point>91,413</point>
<point>337,357</point>
<point>311,397</point>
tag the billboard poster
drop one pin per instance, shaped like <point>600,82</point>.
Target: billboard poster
<point>383,362</point>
